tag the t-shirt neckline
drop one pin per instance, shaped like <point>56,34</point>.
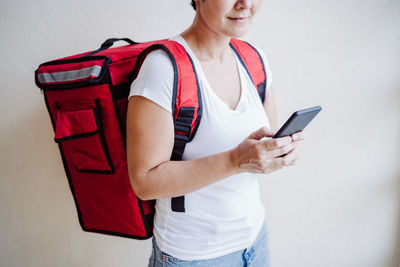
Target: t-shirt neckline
<point>200,71</point>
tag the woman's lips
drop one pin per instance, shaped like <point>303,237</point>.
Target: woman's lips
<point>241,19</point>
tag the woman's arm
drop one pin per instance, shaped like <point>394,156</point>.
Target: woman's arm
<point>270,109</point>
<point>150,140</point>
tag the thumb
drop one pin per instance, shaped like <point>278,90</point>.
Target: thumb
<point>260,133</point>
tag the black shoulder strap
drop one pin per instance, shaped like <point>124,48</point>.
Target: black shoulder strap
<point>186,100</point>
<point>186,105</point>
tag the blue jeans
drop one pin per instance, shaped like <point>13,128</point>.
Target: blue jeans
<point>257,255</point>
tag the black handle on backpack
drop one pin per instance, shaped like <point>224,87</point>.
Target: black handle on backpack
<point>108,43</point>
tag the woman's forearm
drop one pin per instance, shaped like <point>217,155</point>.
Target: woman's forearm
<point>153,175</point>
<point>176,178</point>
<point>270,109</point>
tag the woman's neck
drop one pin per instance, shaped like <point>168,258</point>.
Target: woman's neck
<point>206,44</point>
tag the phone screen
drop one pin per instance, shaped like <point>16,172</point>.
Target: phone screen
<point>298,121</point>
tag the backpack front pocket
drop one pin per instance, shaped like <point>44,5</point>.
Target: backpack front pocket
<point>79,130</point>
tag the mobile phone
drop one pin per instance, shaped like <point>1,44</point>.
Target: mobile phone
<point>298,121</point>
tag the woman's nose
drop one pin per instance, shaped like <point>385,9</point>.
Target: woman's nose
<point>243,4</point>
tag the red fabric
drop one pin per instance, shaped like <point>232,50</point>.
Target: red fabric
<point>125,52</point>
<point>87,154</point>
<point>75,122</point>
<point>186,96</point>
<point>82,136</point>
<point>120,70</point>
<point>148,207</point>
<point>122,107</point>
<point>105,201</point>
<point>251,60</point>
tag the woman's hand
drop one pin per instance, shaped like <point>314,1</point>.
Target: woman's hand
<point>259,155</point>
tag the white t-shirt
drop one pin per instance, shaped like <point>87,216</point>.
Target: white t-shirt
<point>225,216</point>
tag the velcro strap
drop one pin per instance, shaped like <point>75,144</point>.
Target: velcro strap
<point>178,204</point>
<point>261,90</point>
<point>179,147</point>
<point>184,121</point>
<point>183,130</point>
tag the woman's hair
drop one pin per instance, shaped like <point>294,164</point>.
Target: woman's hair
<point>194,4</point>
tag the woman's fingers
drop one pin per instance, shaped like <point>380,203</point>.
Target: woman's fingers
<point>260,133</point>
<point>277,152</point>
<point>293,148</point>
<point>271,144</point>
<point>265,156</point>
<point>299,136</point>
<point>291,158</point>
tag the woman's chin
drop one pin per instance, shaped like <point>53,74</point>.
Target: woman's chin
<point>238,33</point>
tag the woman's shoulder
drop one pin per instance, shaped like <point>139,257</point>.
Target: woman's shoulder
<point>157,60</point>
<point>155,79</point>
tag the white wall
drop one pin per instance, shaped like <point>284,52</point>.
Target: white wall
<point>339,206</point>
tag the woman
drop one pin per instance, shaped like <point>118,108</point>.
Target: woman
<point>223,223</point>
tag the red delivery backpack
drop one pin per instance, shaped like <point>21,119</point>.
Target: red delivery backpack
<point>87,95</point>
